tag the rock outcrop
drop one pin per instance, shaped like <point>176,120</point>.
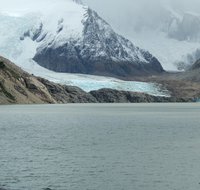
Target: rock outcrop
<point>196,65</point>
<point>67,94</point>
<point>114,96</point>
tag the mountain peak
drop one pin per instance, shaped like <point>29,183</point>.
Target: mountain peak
<point>69,37</point>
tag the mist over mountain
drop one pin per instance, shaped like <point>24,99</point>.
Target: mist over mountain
<point>131,15</point>
<point>168,29</point>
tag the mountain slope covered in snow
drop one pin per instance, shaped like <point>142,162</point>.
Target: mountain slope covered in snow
<point>98,50</point>
<point>70,37</point>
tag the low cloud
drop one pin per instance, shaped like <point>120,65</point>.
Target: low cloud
<point>27,6</point>
<point>129,15</point>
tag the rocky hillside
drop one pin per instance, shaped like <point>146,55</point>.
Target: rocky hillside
<point>17,86</point>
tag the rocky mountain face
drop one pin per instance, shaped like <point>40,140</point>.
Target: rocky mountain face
<point>89,46</point>
<point>196,65</point>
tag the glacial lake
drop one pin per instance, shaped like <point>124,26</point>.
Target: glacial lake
<point>100,147</point>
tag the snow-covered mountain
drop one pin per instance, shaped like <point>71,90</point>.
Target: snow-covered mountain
<point>168,29</point>
<point>67,36</point>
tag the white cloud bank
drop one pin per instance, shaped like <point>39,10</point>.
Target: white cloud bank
<point>148,22</point>
<point>124,14</point>
<point>19,7</point>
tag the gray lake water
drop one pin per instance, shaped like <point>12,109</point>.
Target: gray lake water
<point>100,147</point>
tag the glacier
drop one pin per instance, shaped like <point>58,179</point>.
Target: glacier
<point>93,82</point>
<point>20,49</point>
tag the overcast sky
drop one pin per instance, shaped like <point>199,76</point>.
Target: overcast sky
<point>27,6</point>
<point>125,15</point>
<point>125,6</point>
